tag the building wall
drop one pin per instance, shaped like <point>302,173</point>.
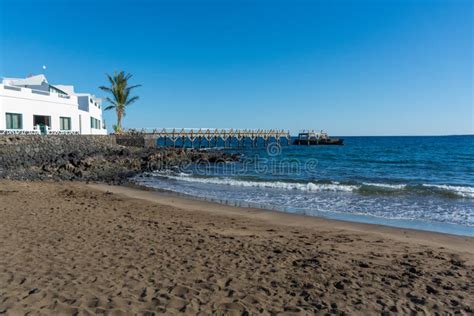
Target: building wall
<point>2,112</point>
<point>88,110</point>
<point>28,103</point>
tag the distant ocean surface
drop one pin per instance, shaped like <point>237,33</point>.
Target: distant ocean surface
<point>412,182</point>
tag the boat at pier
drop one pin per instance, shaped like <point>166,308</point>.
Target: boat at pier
<point>314,138</point>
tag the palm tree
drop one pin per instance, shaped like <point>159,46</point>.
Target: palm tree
<point>120,95</point>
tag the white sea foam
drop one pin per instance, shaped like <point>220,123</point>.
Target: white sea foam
<point>308,187</point>
<point>386,185</point>
<point>463,191</point>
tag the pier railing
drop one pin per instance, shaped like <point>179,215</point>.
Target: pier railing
<point>212,137</point>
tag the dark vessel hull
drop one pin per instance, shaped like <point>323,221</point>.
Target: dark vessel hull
<point>312,142</point>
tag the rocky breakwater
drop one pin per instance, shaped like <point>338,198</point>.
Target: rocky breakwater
<point>91,158</point>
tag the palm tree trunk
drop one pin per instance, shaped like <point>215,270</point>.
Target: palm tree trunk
<point>119,121</point>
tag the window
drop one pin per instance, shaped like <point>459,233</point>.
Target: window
<point>14,121</point>
<point>65,123</point>
<point>41,120</point>
<point>95,123</point>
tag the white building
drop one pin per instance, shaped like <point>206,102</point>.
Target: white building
<point>32,105</point>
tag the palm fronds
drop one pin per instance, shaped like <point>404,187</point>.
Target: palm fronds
<point>120,98</point>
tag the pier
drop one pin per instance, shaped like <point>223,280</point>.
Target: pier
<point>211,138</point>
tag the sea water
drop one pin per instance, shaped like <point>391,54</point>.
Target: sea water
<point>411,182</point>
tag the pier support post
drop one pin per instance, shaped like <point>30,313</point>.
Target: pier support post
<point>150,141</point>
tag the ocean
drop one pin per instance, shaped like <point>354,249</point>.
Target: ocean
<point>415,182</point>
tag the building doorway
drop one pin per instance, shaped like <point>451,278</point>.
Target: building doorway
<point>44,123</point>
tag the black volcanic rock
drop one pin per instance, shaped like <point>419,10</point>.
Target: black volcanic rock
<point>94,161</point>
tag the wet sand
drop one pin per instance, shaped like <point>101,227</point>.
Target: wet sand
<point>72,248</point>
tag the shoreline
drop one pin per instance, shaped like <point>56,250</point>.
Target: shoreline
<point>404,224</point>
<point>171,198</point>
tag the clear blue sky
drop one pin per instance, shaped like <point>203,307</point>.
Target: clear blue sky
<point>349,67</point>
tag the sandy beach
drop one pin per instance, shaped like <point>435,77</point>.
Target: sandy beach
<point>72,248</point>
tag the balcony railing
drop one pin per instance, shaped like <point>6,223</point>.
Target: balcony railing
<point>35,132</point>
<point>18,132</point>
<point>63,133</point>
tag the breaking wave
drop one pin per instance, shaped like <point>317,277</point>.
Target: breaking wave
<point>365,188</point>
